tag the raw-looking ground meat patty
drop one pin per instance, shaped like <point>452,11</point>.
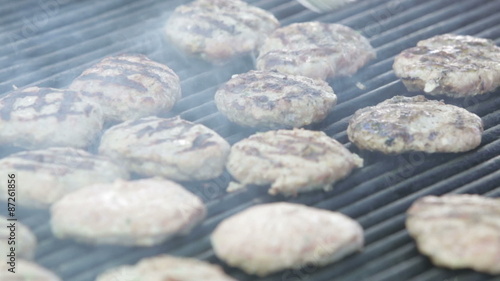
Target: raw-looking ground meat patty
<point>46,175</point>
<point>217,30</point>
<point>273,100</point>
<point>129,87</point>
<point>315,49</point>
<point>403,124</point>
<point>26,271</point>
<point>453,65</point>
<point>458,231</point>
<point>172,148</point>
<point>43,117</point>
<point>291,161</point>
<point>143,212</point>
<point>271,237</point>
<point>163,268</point>
<point>25,241</point>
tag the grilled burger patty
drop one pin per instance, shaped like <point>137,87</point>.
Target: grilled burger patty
<point>292,161</point>
<point>172,148</point>
<point>143,212</point>
<point>458,231</point>
<point>273,100</point>
<point>271,237</point>
<point>163,267</point>
<point>453,65</point>
<point>129,87</point>
<point>217,30</point>
<point>44,117</point>
<point>49,174</point>
<point>25,241</point>
<point>26,271</point>
<point>315,49</point>
<point>402,124</point>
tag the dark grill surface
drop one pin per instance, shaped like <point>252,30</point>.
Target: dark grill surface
<point>50,42</point>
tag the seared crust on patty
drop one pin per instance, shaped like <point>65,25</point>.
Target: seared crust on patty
<point>129,87</point>
<point>452,65</point>
<point>217,30</point>
<point>143,212</point>
<point>274,100</point>
<point>291,161</point>
<point>171,148</point>
<point>271,237</point>
<point>49,174</point>
<point>403,124</point>
<point>314,49</point>
<point>44,117</point>
<point>458,231</point>
<point>163,268</point>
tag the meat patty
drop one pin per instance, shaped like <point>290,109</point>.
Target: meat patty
<point>458,231</point>
<point>291,161</point>
<point>172,148</point>
<point>25,240</point>
<point>49,174</point>
<point>452,65</point>
<point>43,117</point>
<point>273,100</point>
<point>26,271</point>
<point>315,49</point>
<point>129,87</point>
<point>143,212</point>
<point>217,30</point>
<point>163,267</point>
<point>271,237</point>
<point>403,124</point>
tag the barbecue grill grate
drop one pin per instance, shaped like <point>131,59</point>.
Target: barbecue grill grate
<point>50,42</point>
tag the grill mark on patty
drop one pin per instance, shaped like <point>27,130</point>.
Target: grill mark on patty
<point>201,141</point>
<point>64,102</point>
<point>146,64</point>
<point>120,79</point>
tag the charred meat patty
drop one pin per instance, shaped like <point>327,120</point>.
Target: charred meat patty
<point>273,100</point>
<point>403,124</point>
<point>314,49</point>
<point>452,65</point>
<point>218,30</point>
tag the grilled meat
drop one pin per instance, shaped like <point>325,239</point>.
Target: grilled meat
<point>452,65</point>
<point>143,212</point>
<point>273,100</point>
<point>314,49</point>
<point>44,117</point>
<point>129,87</point>
<point>49,174</point>
<point>292,161</point>
<point>402,124</point>
<point>458,231</point>
<point>217,30</point>
<point>272,237</point>
<point>162,268</point>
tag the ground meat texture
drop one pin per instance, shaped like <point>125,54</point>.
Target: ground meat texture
<point>291,161</point>
<point>171,148</point>
<point>129,87</point>
<point>458,231</point>
<point>314,49</point>
<point>452,65</point>
<point>273,100</point>
<point>271,237</point>
<point>403,124</point>
<point>142,213</point>
<point>218,30</point>
<point>25,240</point>
<point>26,271</point>
<point>43,117</point>
<point>162,268</point>
<point>49,174</point>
